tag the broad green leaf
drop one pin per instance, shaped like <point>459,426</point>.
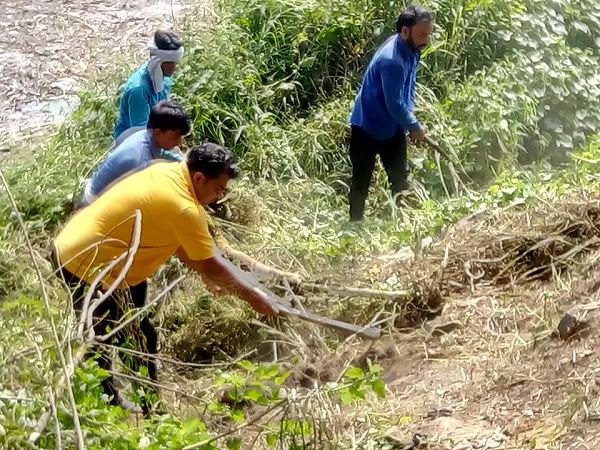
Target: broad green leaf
<point>234,443</point>
<point>281,378</point>
<point>272,439</point>
<point>354,373</point>
<point>379,388</point>
<point>249,366</point>
<point>346,397</point>
<point>252,394</point>
<point>237,415</point>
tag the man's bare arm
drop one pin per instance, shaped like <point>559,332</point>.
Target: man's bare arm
<point>219,277</point>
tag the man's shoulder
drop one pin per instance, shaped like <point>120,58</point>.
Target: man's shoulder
<point>169,184</point>
<point>386,56</point>
<point>136,140</point>
<point>167,172</point>
<point>137,80</point>
<point>125,158</point>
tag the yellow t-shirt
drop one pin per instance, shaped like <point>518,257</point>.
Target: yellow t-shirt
<point>171,217</point>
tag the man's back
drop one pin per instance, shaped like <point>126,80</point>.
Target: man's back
<point>134,153</point>
<point>137,100</point>
<point>170,218</point>
<point>391,73</point>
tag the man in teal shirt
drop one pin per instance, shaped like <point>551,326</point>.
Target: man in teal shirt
<point>383,109</point>
<point>149,84</point>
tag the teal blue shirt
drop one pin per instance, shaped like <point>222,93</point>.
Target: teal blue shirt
<point>137,100</point>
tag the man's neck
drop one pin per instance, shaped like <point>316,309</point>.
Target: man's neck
<point>154,147</point>
<point>406,44</point>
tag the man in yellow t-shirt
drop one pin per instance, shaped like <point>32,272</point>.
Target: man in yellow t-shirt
<point>168,199</point>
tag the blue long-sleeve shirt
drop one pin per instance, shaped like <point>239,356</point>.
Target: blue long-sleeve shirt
<point>134,153</point>
<point>385,99</point>
<point>137,100</point>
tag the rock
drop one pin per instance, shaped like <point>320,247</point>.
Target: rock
<point>439,328</point>
<point>439,412</point>
<point>570,325</point>
<point>418,441</point>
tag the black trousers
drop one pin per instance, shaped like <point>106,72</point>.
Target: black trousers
<point>363,151</point>
<point>142,334</point>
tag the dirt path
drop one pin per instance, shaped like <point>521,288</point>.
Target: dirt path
<point>51,48</point>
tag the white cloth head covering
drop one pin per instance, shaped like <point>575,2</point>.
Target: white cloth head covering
<point>157,57</point>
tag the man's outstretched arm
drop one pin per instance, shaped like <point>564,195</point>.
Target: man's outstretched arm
<point>220,278</point>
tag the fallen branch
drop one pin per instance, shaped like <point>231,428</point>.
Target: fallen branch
<point>364,331</point>
<point>176,362</point>
<point>149,382</point>
<point>353,291</point>
<point>287,309</point>
<point>141,311</point>
<point>130,255</point>
<point>300,306</point>
<point>257,266</point>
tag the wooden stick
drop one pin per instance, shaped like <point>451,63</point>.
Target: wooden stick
<point>354,291</point>
<point>435,146</point>
<point>286,309</point>
<point>298,302</point>
<point>141,311</point>
<point>149,382</point>
<point>130,255</point>
<point>161,358</point>
<point>367,332</point>
<point>255,265</point>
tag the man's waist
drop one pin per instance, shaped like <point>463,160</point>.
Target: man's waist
<point>377,130</point>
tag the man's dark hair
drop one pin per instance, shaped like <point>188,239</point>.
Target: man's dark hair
<point>167,115</point>
<point>212,160</point>
<point>412,15</point>
<point>167,40</point>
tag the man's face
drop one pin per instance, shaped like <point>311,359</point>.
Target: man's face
<point>418,36</point>
<point>167,139</point>
<point>168,68</point>
<point>209,190</point>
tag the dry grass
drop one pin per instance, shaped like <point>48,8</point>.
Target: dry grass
<point>506,246</point>
<point>498,377</point>
<point>490,372</point>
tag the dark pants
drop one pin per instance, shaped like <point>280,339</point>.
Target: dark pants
<point>107,316</point>
<point>363,151</point>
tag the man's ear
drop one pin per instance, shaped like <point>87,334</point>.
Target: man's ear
<point>405,32</point>
<point>198,177</point>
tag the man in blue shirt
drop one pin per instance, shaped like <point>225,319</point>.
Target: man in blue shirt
<point>150,83</point>
<point>167,124</point>
<point>383,108</point>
